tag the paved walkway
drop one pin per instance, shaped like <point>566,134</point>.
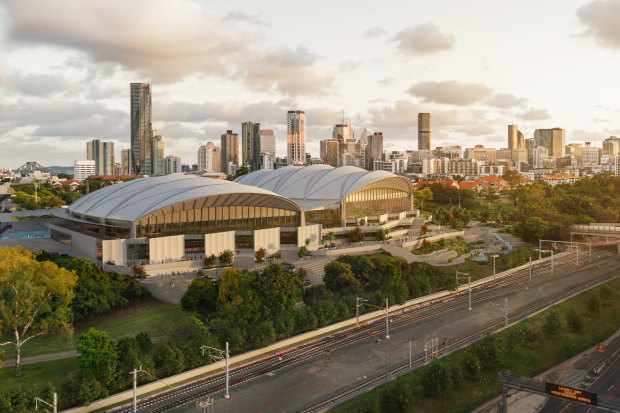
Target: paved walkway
<point>41,358</point>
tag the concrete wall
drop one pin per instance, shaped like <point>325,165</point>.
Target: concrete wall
<point>166,249</point>
<point>418,242</point>
<point>269,239</point>
<point>114,250</point>
<point>219,242</point>
<point>313,232</point>
<point>83,246</point>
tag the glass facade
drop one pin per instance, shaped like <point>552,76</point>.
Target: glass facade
<point>376,201</point>
<point>215,219</point>
<point>328,216</point>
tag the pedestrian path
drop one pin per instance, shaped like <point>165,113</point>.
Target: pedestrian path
<point>315,268</point>
<point>41,357</point>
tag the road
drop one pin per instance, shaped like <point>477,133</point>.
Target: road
<point>290,387</point>
<point>605,385</point>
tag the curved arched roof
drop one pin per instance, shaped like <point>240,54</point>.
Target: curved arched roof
<point>132,200</point>
<point>316,186</point>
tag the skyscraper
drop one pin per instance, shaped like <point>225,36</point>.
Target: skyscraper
<point>374,149</point>
<point>103,155</point>
<point>230,152</point>
<point>516,140</point>
<point>342,133</point>
<point>424,131</point>
<point>296,137</point>
<point>268,142</point>
<point>329,151</point>
<point>172,165</point>
<point>141,128</point>
<point>126,162</point>
<point>552,139</point>
<point>157,158</point>
<point>208,158</point>
<point>250,143</point>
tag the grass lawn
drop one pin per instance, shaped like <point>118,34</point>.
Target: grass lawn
<point>530,358</point>
<point>54,372</point>
<point>148,315</point>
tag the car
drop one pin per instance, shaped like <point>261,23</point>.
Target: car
<point>597,369</point>
<point>377,340</point>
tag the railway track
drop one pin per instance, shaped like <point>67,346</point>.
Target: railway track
<point>186,393</point>
<point>456,344</point>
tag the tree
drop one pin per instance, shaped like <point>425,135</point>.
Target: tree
<point>303,251</point>
<point>356,235</point>
<point>209,262</point>
<point>398,397</point>
<point>331,236</point>
<point>512,177</point>
<point>436,378</point>
<point>277,288</point>
<point>423,229</point>
<point>200,298</point>
<point>535,228</point>
<point>98,355</point>
<point>244,170</point>
<point>574,320</point>
<point>34,298</point>
<point>138,271</point>
<point>259,255</point>
<point>422,195</point>
<point>226,258</point>
<point>553,323</point>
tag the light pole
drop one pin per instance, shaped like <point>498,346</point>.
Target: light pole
<point>207,405</point>
<point>387,320</point>
<point>135,387</point>
<point>357,310</point>
<point>463,274</point>
<point>530,269</point>
<point>223,355</point>
<point>54,404</point>
<point>504,308</point>
<point>494,256</point>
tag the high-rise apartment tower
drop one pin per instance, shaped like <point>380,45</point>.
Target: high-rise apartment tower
<point>103,155</point>
<point>141,128</point>
<point>424,131</point>
<point>296,137</point>
<point>250,143</point>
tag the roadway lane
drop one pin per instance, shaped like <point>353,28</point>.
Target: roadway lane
<point>293,387</point>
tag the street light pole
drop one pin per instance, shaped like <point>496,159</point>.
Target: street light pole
<point>494,256</point>
<point>530,269</point>
<point>223,355</point>
<point>227,396</point>
<point>387,320</point>
<point>135,387</point>
<point>469,287</point>
<point>54,404</point>
<point>357,310</point>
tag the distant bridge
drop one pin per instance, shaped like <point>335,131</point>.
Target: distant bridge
<point>30,167</point>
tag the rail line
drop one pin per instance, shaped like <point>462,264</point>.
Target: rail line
<point>186,393</point>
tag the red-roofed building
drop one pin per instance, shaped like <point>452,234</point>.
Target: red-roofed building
<point>557,179</point>
<point>490,181</point>
<point>68,182</point>
<point>472,185</point>
<point>526,181</point>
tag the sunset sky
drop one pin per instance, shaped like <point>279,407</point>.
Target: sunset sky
<point>476,66</point>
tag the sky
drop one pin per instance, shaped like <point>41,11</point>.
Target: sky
<point>476,66</point>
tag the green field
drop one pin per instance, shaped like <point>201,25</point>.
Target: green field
<point>528,359</point>
<point>55,372</point>
<point>147,315</point>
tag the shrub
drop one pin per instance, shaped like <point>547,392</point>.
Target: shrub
<point>553,322</point>
<point>144,341</point>
<point>138,271</point>
<point>397,398</point>
<point>574,321</point>
<point>490,351</point>
<point>303,251</point>
<point>436,378</point>
<point>471,365</point>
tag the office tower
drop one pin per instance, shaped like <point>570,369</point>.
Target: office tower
<point>374,149</point>
<point>157,158</point>
<point>540,154</point>
<point>520,140</point>
<point>590,154</point>
<point>141,128</point>
<point>342,133</point>
<point>424,131</point>
<point>250,144</point>
<point>366,132</point>
<point>552,139</point>
<point>574,149</point>
<point>103,155</point>
<point>329,151</point>
<point>611,146</point>
<point>83,168</point>
<point>126,162</point>
<point>516,140</point>
<point>268,142</point>
<point>230,152</point>
<point>268,160</point>
<point>172,165</point>
<point>209,158</point>
<point>296,137</point>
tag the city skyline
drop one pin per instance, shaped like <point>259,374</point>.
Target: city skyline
<point>64,84</point>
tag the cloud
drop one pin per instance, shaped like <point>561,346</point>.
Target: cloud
<point>34,84</point>
<point>505,100</point>
<point>423,39</point>
<point>600,18</point>
<point>246,18</point>
<point>387,81</point>
<point>451,92</point>
<point>291,72</point>
<point>535,114</point>
<point>374,31</point>
<point>144,37</point>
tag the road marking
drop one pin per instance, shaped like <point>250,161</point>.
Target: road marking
<point>610,387</point>
<point>374,332</point>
